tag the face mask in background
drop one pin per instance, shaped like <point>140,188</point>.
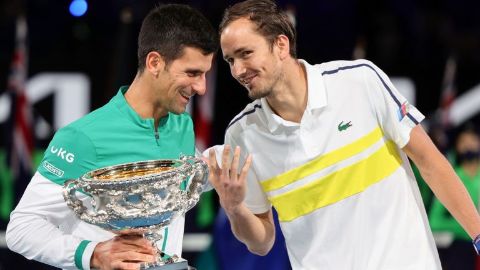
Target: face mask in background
<point>468,156</point>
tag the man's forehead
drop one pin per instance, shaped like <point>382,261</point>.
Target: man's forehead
<point>238,26</point>
<point>194,53</point>
<point>194,60</point>
<point>242,22</point>
<point>239,43</point>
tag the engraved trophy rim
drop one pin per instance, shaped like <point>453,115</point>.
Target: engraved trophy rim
<point>176,166</point>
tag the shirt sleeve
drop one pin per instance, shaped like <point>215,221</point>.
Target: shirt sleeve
<point>395,115</point>
<point>39,225</point>
<point>69,155</point>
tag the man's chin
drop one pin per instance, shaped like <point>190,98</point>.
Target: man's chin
<point>178,111</point>
<point>258,94</point>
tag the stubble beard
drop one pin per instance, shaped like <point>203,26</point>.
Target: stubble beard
<point>259,93</point>
<point>265,91</point>
<point>177,107</point>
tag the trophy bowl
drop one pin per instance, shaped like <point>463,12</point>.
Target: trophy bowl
<point>146,195</point>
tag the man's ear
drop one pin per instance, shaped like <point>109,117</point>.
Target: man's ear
<point>154,63</point>
<point>283,45</point>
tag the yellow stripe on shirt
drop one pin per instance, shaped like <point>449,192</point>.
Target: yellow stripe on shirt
<point>323,161</point>
<point>338,185</point>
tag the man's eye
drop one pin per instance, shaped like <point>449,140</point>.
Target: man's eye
<point>246,53</point>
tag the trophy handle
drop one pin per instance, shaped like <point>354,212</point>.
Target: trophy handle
<point>70,188</point>
<point>198,182</point>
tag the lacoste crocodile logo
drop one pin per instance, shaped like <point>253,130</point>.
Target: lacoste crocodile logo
<point>342,126</point>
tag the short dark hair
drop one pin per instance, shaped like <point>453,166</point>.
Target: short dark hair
<point>169,28</point>
<point>269,19</point>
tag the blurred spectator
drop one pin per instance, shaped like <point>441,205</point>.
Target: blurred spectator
<point>460,255</point>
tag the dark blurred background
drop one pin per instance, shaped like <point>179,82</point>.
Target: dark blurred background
<point>408,39</point>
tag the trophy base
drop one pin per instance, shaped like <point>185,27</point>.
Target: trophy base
<point>181,264</point>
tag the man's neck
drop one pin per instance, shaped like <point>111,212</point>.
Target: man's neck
<point>141,98</point>
<point>289,98</point>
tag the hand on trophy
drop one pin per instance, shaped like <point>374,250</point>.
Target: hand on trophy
<point>127,250</point>
<point>227,181</point>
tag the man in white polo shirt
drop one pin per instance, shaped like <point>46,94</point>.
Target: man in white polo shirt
<point>329,144</point>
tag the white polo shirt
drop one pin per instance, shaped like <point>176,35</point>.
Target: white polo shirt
<point>344,191</point>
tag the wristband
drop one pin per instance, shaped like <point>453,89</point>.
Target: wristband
<point>476,244</point>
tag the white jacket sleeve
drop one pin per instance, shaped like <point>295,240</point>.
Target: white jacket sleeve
<point>40,228</point>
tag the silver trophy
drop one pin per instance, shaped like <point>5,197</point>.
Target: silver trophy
<point>145,195</point>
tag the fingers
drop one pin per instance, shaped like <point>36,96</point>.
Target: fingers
<point>124,266</point>
<point>226,161</point>
<point>245,168</point>
<point>212,160</point>
<point>133,242</point>
<point>133,256</point>
<point>137,232</point>
<point>213,168</point>
<point>123,252</point>
<point>229,171</point>
<point>234,166</point>
<point>131,260</point>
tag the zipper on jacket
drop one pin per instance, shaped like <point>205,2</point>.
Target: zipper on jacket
<point>157,137</point>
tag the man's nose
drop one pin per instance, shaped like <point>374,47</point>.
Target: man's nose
<point>237,69</point>
<point>200,85</point>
